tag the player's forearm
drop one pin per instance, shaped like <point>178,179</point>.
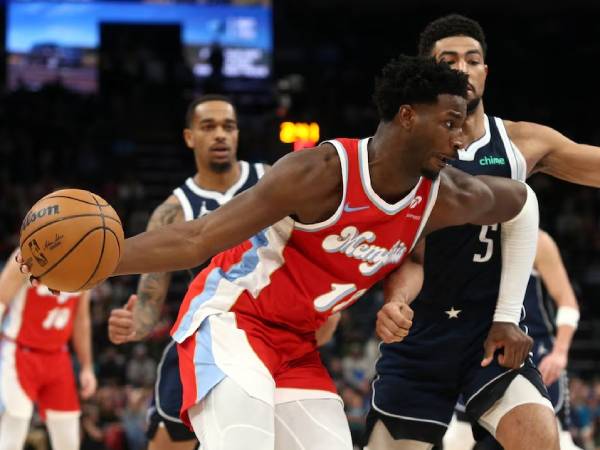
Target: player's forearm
<point>564,337</point>
<point>170,248</point>
<point>151,292</point>
<point>519,244</point>
<point>405,283</point>
<point>82,342</point>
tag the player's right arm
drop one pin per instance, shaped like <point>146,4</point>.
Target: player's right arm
<point>486,200</point>
<point>549,264</point>
<point>11,280</point>
<point>400,288</point>
<point>306,185</point>
<point>139,316</point>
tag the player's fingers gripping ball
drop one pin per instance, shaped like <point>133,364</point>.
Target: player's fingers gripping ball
<point>71,240</point>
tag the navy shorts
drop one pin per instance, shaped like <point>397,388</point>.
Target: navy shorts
<point>168,398</point>
<point>420,379</point>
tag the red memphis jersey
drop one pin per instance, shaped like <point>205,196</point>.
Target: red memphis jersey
<point>39,319</point>
<point>294,275</point>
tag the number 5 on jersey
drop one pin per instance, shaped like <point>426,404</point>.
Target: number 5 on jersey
<point>489,244</point>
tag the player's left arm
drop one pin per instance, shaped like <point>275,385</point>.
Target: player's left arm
<point>82,344</point>
<point>548,151</point>
<point>11,281</point>
<point>549,264</point>
<point>485,200</point>
<point>326,331</point>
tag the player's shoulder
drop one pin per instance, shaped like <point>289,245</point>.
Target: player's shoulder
<point>169,211</point>
<point>528,132</point>
<point>310,160</point>
<point>309,173</point>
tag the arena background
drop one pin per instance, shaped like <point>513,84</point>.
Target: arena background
<point>125,143</point>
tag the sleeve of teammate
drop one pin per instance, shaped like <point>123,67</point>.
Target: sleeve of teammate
<point>82,344</point>
<point>11,280</point>
<point>121,324</point>
<point>518,254</point>
<point>401,287</point>
<point>549,264</point>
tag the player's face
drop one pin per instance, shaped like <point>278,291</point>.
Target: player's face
<point>438,131</point>
<point>213,135</point>
<point>465,54</point>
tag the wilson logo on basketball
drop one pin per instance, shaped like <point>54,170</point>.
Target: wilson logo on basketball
<point>356,245</point>
<point>34,215</point>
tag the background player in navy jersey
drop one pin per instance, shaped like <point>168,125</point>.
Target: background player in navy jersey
<point>292,217</point>
<point>455,313</point>
<point>552,327</point>
<point>211,132</point>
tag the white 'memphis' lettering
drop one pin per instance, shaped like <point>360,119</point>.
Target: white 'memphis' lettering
<point>357,245</point>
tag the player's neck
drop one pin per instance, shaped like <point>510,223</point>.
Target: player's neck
<point>474,126</point>
<point>392,167</point>
<point>210,180</point>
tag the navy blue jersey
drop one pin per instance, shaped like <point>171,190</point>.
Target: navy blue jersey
<point>539,311</point>
<point>197,202</point>
<point>463,263</point>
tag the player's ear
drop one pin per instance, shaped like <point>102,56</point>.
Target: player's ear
<point>188,137</point>
<point>406,116</point>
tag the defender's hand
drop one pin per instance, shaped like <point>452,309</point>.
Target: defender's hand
<point>394,320</point>
<point>511,338</point>
<point>121,327</point>
<point>551,366</point>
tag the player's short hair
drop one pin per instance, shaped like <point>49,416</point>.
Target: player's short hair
<point>415,79</point>
<point>448,26</point>
<point>191,109</point>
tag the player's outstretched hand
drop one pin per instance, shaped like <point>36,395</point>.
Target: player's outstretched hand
<point>510,338</point>
<point>394,320</point>
<point>25,270</point>
<point>552,365</point>
<point>121,327</point>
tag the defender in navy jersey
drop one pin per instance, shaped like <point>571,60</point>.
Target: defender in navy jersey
<point>551,320</point>
<point>212,133</point>
<point>420,379</point>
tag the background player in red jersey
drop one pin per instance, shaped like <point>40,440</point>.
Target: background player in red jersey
<point>322,227</point>
<point>35,364</point>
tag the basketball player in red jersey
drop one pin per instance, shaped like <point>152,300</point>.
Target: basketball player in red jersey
<point>35,364</point>
<point>320,228</point>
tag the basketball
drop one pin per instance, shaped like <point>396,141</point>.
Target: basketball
<point>71,239</point>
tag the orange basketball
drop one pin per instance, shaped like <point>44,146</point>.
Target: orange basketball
<point>72,240</point>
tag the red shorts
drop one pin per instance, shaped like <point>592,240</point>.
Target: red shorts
<point>262,359</point>
<point>29,376</point>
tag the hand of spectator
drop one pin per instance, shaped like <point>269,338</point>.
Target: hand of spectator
<point>394,320</point>
<point>121,327</point>
<point>552,365</point>
<point>88,382</point>
<point>509,337</point>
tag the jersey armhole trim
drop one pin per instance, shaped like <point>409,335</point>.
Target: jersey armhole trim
<point>518,166</point>
<point>433,193</point>
<point>185,204</point>
<point>338,212</point>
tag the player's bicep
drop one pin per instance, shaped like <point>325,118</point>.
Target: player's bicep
<point>561,157</point>
<point>170,211</point>
<point>276,195</point>
<point>480,200</point>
